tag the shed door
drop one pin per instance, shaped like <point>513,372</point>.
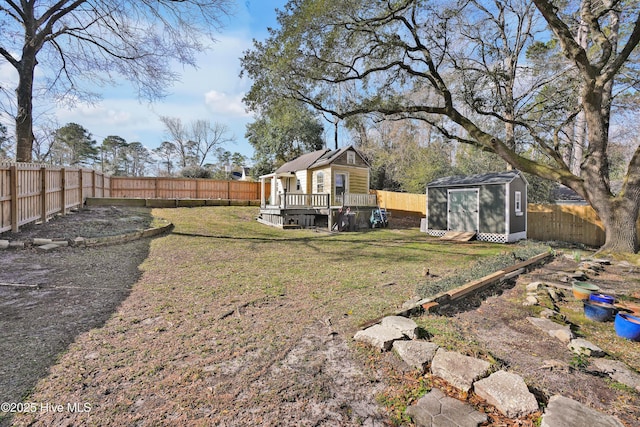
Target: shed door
<point>463,210</point>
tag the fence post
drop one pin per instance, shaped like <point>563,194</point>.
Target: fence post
<point>63,183</point>
<point>81,184</point>
<point>13,171</point>
<point>43,194</point>
<point>93,184</point>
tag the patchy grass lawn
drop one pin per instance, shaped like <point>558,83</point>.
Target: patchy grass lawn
<point>237,323</point>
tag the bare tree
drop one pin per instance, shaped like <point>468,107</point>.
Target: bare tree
<point>178,135</point>
<point>197,140</point>
<point>166,152</point>
<point>208,137</point>
<point>77,42</point>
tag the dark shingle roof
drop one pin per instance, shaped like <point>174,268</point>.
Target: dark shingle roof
<point>330,156</point>
<point>303,162</point>
<point>314,159</point>
<point>482,179</point>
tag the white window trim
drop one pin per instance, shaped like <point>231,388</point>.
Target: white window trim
<point>318,175</point>
<point>517,203</point>
<point>346,181</point>
<point>351,158</point>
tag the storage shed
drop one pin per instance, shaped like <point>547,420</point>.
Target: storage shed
<point>493,205</point>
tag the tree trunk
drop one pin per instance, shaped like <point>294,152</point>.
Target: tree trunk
<point>620,225</point>
<point>24,116</point>
<point>24,98</point>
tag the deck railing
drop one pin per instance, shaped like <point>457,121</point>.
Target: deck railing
<point>352,199</point>
<point>295,200</point>
<point>322,200</point>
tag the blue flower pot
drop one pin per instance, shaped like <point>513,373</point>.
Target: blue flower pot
<point>602,298</point>
<point>599,311</point>
<point>627,326</point>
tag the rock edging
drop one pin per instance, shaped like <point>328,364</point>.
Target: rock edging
<point>506,391</point>
<point>49,244</point>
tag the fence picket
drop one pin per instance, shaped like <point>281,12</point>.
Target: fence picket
<point>34,192</point>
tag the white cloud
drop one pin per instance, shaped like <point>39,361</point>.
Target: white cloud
<point>225,104</point>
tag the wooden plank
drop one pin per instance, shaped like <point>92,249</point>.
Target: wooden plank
<point>458,236</point>
<point>43,194</point>
<point>463,290</point>
<point>13,191</point>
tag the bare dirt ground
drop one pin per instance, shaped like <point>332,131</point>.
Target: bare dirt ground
<point>304,377</point>
<point>289,373</point>
<point>47,299</point>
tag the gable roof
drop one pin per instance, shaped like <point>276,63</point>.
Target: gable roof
<point>332,155</point>
<point>303,162</point>
<point>480,179</point>
<point>315,159</point>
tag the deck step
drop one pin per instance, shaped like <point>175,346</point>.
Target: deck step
<point>291,226</point>
<point>459,236</point>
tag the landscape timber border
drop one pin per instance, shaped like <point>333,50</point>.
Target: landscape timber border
<point>53,243</point>
<point>431,304</point>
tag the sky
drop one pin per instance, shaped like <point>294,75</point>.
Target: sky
<point>212,92</point>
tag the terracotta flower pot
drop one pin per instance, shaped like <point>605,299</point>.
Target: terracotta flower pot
<point>633,307</point>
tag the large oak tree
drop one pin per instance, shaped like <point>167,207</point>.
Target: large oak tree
<point>475,63</point>
<point>79,44</point>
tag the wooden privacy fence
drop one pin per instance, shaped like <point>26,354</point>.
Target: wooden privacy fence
<point>182,188</point>
<point>406,202</point>
<point>32,192</point>
<point>565,223</point>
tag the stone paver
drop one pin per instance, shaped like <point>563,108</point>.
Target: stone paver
<point>551,327</point>
<point>416,354</point>
<point>508,393</point>
<point>564,412</point>
<point>47,247</point>
<point>618,371</point>
<point>379,336</point>
<point>435,409</point>
<point>41,242</point>
<point>457,369</point>
<point>403,324</point>
<point>587,348</point>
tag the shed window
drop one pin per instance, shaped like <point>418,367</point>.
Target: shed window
<point>351,158</point>
<point>320,182</point>
<point>518,203</point>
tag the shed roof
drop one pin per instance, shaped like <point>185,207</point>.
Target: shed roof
<point>481,179</point>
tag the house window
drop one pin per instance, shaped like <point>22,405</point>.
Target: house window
<point>341,183</point>
<point>518,203</point>
<point>320,182</point>
<point>351,158</point>
<point>297,185</point>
